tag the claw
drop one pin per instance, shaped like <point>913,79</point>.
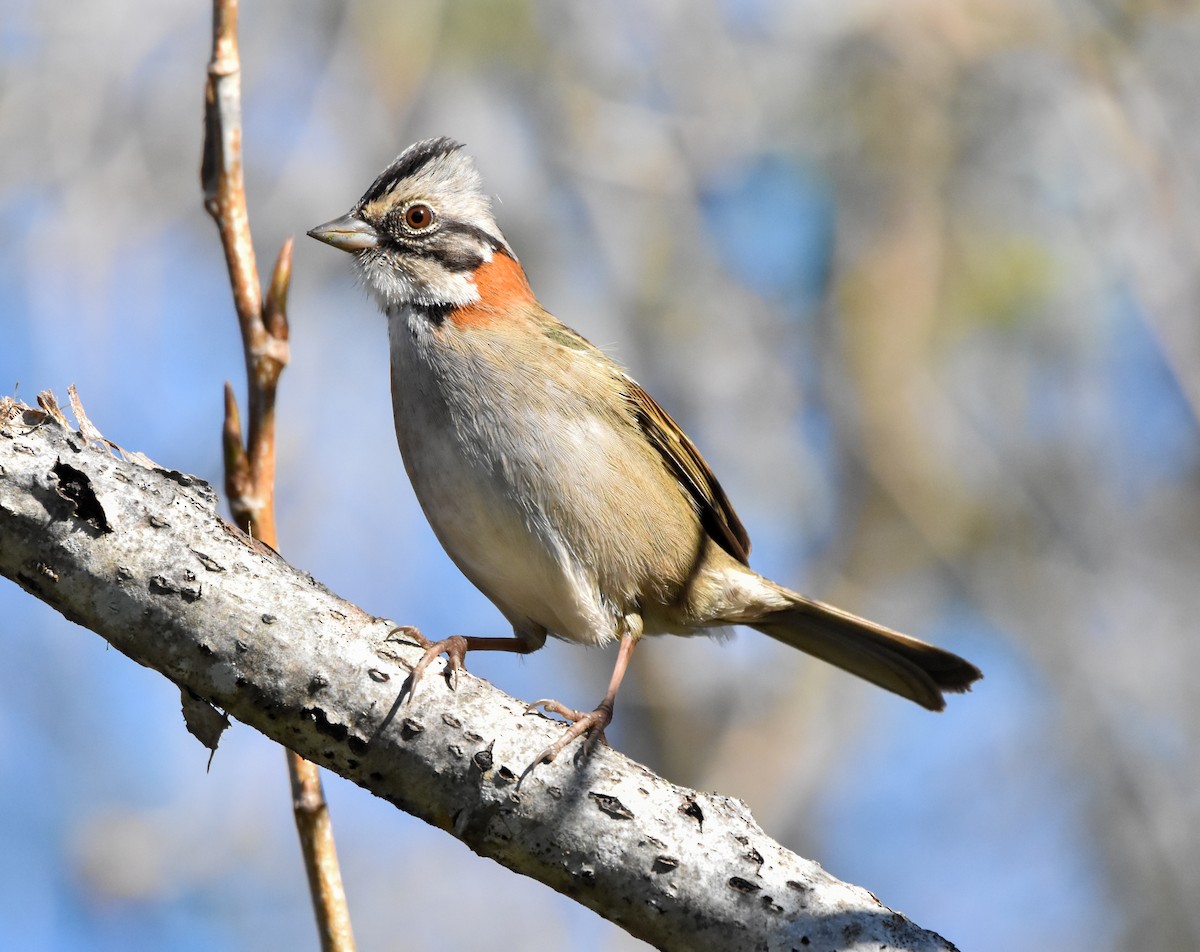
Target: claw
<point>454,647</point>
<point>591,723</point>
<point>555,707</point>
<point>413,636</point>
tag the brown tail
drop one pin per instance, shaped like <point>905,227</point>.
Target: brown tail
<point>904,665</point>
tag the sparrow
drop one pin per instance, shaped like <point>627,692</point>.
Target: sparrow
<point>554,482</point>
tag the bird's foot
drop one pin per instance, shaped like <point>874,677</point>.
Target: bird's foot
<point>591,723</point>
<point>455,649</point>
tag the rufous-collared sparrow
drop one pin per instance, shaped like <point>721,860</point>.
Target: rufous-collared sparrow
<point>556,484</point>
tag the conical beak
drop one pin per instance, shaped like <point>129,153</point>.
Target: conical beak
<point>347,233</point>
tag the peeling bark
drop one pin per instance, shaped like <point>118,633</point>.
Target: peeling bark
<point>139,555</point>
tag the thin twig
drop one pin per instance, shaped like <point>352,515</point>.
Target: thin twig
<point>250,466</point>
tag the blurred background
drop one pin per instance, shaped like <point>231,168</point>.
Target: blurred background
<point>919,278</point>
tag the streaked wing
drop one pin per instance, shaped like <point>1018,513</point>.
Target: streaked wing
<point>712,505</point>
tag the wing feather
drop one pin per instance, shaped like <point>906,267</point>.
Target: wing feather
<point>678,452</point>
<point>684,460</point>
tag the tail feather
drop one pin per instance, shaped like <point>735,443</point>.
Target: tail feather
<point>903,665</point>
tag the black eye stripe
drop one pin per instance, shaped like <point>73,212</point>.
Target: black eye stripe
<point>472,231</point>
<point>455,259</point>
<point>440,230</point>
<point>456,246</point>
<point>451,258</point>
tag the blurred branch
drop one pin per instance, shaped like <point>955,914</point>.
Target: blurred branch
<point>140,556</point>
<point>250,467</point>
<point>264,330</point>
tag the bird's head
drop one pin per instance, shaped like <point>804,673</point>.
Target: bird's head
<point>423,233</point>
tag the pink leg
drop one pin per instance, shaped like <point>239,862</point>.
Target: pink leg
<point>594,722</point>
<point>455,648</point>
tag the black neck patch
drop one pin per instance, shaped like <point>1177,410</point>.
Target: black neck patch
<point>436,314</point>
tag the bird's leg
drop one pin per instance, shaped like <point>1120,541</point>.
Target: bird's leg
<point>591,723</point>
<point>455,648</point>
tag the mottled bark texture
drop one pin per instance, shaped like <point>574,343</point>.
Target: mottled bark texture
<point>138,555</point>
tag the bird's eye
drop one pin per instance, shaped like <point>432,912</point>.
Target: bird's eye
<point>418,217</point>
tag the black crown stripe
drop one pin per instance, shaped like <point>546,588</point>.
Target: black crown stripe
<point>407,163</point>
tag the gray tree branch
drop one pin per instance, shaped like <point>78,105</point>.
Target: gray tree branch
<point>139,555</point>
